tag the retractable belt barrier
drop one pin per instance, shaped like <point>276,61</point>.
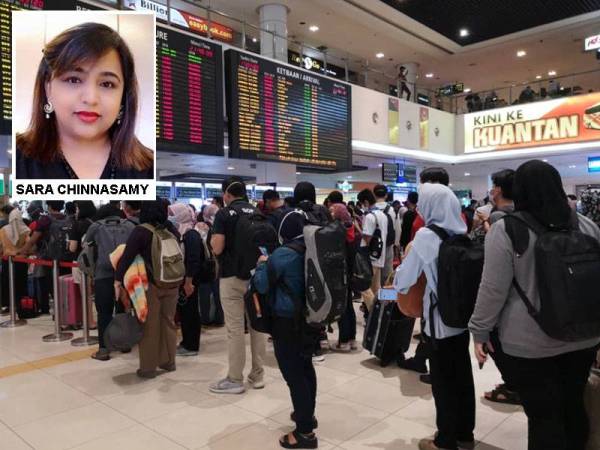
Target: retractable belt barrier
<point>58,334</point>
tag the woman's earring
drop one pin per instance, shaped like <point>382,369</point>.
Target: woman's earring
<point>48,108</point>
<point>120,116</point>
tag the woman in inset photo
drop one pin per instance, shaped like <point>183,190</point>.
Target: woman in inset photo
<point>85,102</point>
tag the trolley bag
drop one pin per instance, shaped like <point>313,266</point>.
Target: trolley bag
<point>70,302</point>
<point>388,332</point>
<point>28,307</point>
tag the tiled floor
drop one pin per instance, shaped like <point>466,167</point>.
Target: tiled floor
<point>86,404</point>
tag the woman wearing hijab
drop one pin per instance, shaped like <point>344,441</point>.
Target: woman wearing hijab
<point>184,218</point>
<point>13,237</point>
<point>293,342</point>
<point>450,363</point>
<point>549,375</point>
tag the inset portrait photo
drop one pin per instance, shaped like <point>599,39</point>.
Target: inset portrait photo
<point>84,103</point>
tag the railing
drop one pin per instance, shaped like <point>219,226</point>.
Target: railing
<point>58,335</point>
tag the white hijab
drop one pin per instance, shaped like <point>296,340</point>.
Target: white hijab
<point>16,227</point>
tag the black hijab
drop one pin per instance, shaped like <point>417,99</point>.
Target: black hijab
<point>538,190</point>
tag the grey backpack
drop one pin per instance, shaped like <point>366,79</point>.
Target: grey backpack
<point>111,232</point>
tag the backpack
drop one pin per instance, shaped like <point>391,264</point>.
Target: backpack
<point>58,236</point>
<point>110,233</point>
<point>168,269</point>
<point>252,230</point>
<point>209,271</point>
<point>87,257</point>
<point>376,243</point>
<point>567,265</point>
<point>362,271</point>
<point>390,238</point>
<point>325,273</point>
<point>259,306</point>
<point>460,266</point>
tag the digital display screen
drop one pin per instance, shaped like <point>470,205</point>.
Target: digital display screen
<point>593,164</point>
<point>189,106</point>
<point>389,172</point>
<point>281,113</point>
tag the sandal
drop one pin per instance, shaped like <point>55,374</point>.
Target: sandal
<point>502,395</point>
<point>302,440</point>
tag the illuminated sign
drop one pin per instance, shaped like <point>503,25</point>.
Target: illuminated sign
<point>389,172</point>
<point>593,164</point>
<point>560,121</point>
<point>592,43</point>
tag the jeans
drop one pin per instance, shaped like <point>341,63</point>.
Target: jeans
<point>551,392</point>
<point>453,390</point>
<point>206,292</point>
<point>189,315</point>
<point>293,350</point>
<point>105,305</point>
<point>347,323</point>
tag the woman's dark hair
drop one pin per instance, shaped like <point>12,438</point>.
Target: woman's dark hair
<point>538,190</point>
<point>70,209</point>
<point>434,175</point>
<point>336,197</point>
<point>56,205</point>
<point>289,201</point>
<point>77,45</point>
<point>504,179</point>
<point>154,212</point>
<point>87,209</point>
<point>305,191</point>
<point>235,186</point>
<point>107,210</point>
<point>366,195</point>
<point>219,201</point>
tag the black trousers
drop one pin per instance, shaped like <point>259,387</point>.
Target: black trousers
<point>551,391</point>
<point>45,287</point>
<point>104,297</point>
<point>209,293</point>
<point>499,358</point>
<point>293,350</point>
<point>347,322</point>
<point>404,88</point>
<point>453,390</point>
<point>189,314</point>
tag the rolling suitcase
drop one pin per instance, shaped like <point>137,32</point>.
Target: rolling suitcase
<point>388,332</point>
<point>70,302</point>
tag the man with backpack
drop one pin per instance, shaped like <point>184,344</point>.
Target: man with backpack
<point>275,206</point>
<point>104,236</point>
<point>240,235</point>
<point>450,362</point>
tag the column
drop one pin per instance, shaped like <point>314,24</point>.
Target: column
<point>411,71</point>
<point>270,172</point>
<point>273,34</point>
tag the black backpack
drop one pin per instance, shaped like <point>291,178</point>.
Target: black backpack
<point>460,266</point>
<point>376,243</point>
<point>57,241</point>
<point>362,271</point>
<point>567,266</point>
<point>390,239</point>
<point>252,230</point>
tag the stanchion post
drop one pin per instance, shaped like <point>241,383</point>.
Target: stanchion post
<point>86,339</point>
<point>58,335</point>
<point>13,322</point>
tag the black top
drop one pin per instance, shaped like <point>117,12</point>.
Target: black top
<point>79,228</point>
<point>225,221</point>
<point>194,255</point>
<point>29,168</point>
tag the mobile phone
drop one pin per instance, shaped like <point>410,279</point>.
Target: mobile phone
<point>387,295</point>
<point>486,351</point>
<point>264,251</point>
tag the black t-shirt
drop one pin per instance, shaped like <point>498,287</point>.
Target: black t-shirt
<point>79,228</point>
<point>29,168</point>
<point>225,221</point>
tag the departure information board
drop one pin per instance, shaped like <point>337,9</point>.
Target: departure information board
<point>280,113</point>
<point>189,106</point>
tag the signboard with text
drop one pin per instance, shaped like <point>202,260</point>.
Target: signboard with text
<point>560,121</point>
<point>592,43</point>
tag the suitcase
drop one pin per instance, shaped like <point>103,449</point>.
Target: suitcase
<point>70,302</point>
<point>388,332</point>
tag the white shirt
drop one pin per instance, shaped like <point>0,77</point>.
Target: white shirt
<point>376,217</point>
<point>398,223</point>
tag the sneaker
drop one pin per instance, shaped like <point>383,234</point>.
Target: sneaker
<point>353,345</point>
<point>226,386</point>
<point>324,344</point>
<point>318,358</point>
<point>260,384</point>
<point>182,351</point>
<point>342,347</point>
<point>101,355</point>
<point>429,444</point>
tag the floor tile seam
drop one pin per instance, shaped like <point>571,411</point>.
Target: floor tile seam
<point>370,406</point>
<point>493,429</point>
<point>96,438</point>
<point>13,427</point>
<point>21,438</point>
<point>351,436</point>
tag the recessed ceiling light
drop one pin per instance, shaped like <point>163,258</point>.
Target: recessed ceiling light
<point>450,184</point>
<point>538,77</point>
<point>254,40</point>
<point>521,53</point>
<point>467,174</point>
<point>313,28</point>
<point>298,173</point>
<point>463,32</point>
<point>467,90</point>
<point>428,75</point>
<point>544,160</point>
<point>230,168</point>
<point>349,176</point>
<point>380,165</point>
<point>379,55</point>
<point>551,73</point>
<point>572,167</point>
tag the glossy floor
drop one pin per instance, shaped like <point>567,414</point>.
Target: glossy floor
<point>53,396</point>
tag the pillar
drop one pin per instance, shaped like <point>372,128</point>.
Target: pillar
<point>273,34</point>
<point>271,172</point>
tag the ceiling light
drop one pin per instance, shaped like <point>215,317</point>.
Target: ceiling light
<point>551,73</point>
<point>379,55</point>
<point>230,168</point>
<point>349,176</point>
<point>463,32</point>
<point>538,77</point>
<point>521,53</point>
<point>467,174</point>
<point>9,151</point>
<point>450,184</point>
<point>544,160</point>
<point>313,28</point>
<point>254,40</point>
<point>572,167</point>
<point>380,165</point>
<point>428,75</point>
<point>467,90</point>
<point>298,173</point>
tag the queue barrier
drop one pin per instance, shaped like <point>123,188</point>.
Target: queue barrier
<point>58,335</point>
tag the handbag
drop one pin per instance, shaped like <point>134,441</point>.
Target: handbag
<point>362,271</point>
<point>123,332</point>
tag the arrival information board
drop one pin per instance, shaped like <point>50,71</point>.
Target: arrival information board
<point>189,106</point>
<point>280,113</point>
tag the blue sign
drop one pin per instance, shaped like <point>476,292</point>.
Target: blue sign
<point>593,164</point>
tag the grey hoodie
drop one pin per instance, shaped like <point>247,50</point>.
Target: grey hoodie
<point>499,305</point>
